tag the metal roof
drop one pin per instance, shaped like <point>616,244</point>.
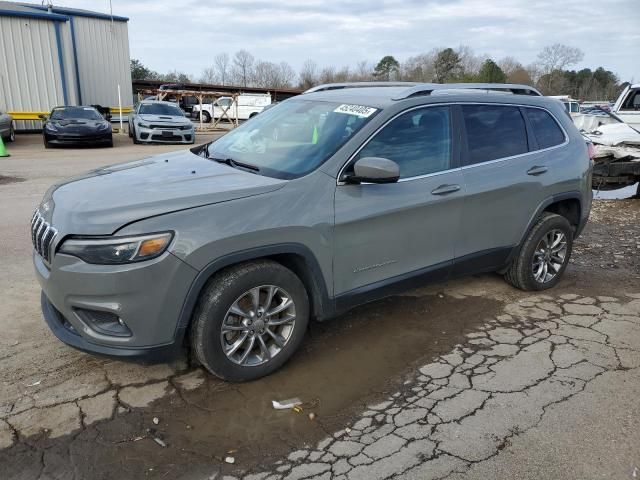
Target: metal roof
<point>57,14</point>
<point>12,9</point>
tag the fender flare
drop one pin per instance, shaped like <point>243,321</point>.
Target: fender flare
<point>324,305</point>
<point>572,195</point>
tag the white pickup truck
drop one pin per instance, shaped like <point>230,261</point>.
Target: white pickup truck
<point>627,107</point>
<point>248,105</point>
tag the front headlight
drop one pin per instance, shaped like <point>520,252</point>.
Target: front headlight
<point>144,125</point>
<point>117,250</point>
<point>51,126</point>
<point>103,126</point>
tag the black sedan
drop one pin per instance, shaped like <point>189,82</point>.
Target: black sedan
<point>77,126</point>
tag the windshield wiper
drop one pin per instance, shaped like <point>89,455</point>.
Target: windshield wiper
<point>232,163</point>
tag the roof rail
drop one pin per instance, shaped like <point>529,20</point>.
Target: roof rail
<point>340,86</point>
<point>429,88</point>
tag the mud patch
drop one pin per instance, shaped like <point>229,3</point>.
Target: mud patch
<point>343,365</point>
<point>6,179</point>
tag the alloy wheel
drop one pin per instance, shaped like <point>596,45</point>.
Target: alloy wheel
<point>258,325</point>
<point>549,256</point>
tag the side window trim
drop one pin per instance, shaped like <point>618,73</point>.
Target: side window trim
<point>454,154</point>
<point>558,124</point>
<point>532,141</point>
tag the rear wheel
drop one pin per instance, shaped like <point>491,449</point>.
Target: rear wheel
<point>249,320</point>
<point>544,255</point>
<point>206,117</point>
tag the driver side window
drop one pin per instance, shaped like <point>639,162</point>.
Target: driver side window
<point>419,141</point>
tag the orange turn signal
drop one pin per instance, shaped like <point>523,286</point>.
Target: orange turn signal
<point>152,246</point>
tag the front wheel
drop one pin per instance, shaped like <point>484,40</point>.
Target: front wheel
<point>134,135</point>
<point>12,134</point>
<point>544,255</point>
<point>249,321</point>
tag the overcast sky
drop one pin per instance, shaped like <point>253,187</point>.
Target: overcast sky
<point>186,35</point>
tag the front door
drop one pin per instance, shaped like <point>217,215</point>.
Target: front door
<point>388,233</point>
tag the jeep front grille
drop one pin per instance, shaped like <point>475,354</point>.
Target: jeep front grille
<point>42,235</point>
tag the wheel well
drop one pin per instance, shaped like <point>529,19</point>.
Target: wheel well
<point>299,265</point>
<point>569,208</point>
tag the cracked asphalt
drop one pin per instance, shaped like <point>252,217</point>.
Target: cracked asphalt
<point>468,379</point>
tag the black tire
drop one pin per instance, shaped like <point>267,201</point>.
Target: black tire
<point>215,300</point>
<point>520,273</point>
<point>134,136</point>
<point>206,117</point>
<point>130,133</point>
<point>12,134</point>
<point>47,144</point>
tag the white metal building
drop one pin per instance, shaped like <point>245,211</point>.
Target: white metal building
<point>51,56</point>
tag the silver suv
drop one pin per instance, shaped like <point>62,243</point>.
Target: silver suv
<point>337,197</point>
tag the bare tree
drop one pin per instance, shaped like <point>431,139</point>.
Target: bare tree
<point>420,68</point>
<point>470,63</point>
<point>221,64</point>
<point>509,65</point>
<point>308,74</point>
<point>362,72</point>
<point>242,70</point>
<point>555,58</point>
<point>287,74</point>
<point>273,75</point>
<point>558,57</point>
<point>209,75</point>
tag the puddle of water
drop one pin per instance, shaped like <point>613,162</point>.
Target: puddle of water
<point>343,365</point>
<point>621,193</point>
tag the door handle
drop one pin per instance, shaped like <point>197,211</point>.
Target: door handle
<point>445,189</point>
<point>537,170</point>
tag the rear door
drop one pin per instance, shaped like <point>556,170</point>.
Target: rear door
<point>387,233</point>
<point>504,184</point>
<point>5,123</point>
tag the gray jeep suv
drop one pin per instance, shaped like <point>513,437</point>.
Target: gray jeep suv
<point>334,198</point>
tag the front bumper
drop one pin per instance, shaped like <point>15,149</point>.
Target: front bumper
<point>147,296</point>
<point>166,134</point>
<point>66,139</point>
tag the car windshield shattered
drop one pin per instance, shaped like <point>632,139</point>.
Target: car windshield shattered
<point>290,139</point>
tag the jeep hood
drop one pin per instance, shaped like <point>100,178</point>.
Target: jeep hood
<point>103,200</point>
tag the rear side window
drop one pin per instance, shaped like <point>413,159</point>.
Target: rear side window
<point>493,132</point>
<point>545,128</point>
<point>419,141</point>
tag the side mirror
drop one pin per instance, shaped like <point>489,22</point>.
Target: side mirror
<point>42,116</point>
<point>108,117</point>
<point>374,170</point>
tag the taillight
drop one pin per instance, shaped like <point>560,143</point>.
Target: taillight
<point>592,150</point>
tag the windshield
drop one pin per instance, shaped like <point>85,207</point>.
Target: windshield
<point>68,113</point>
<point>293,138</point>
<point>160,109</point>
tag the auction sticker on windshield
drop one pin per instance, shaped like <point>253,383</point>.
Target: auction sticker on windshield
<point>358,110</point>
